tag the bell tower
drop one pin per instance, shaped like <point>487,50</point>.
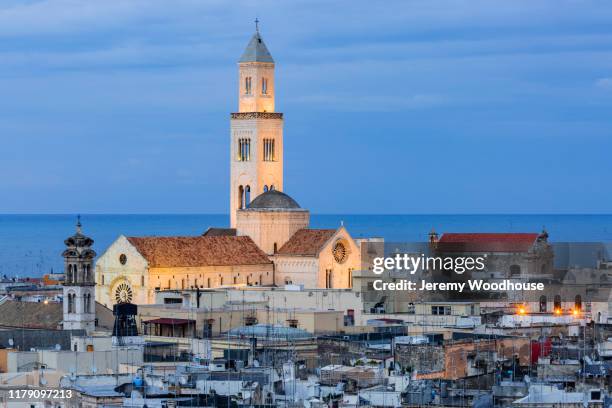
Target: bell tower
<point>79,299</point>
<point>256,148</point>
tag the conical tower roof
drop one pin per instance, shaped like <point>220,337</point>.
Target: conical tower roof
<point>256,51</point>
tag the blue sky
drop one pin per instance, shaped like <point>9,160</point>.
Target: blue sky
<point>390,107</point>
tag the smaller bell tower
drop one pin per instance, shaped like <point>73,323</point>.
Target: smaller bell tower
<point>79,299</point>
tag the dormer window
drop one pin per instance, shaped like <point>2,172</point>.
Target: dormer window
<point>264,86</point>
<point>247,85</point>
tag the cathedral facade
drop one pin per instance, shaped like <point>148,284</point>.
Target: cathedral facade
<point>269,242</point>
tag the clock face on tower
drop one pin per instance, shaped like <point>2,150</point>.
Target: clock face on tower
<point>123,293</point>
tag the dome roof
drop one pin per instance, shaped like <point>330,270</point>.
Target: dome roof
<point>273,200</point>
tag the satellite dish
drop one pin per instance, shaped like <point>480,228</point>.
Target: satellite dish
<point>58,347</point>
<point>11,342</point>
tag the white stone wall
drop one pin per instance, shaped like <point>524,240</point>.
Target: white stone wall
<point>299,270</point>
<point>340,271</point>
<point>256,101</point>
<point>267,228</point>
<point>110,273</point>
<point>255,173</point>
<point>143,280</point>
<point>78,319</point>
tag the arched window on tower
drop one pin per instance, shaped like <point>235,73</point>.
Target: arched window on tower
<point>69,274</point>
<point>70,303</point>
<point>265,189</point>
<point>244,149</point>
<point>247,196</point>
<point>264,86</point>
<point>247,85</point>
<point>272,187</point>
<point>268,150</point>
<point>240,197</point>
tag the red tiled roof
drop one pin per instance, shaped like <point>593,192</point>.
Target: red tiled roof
<point>486,242</point>
<point>165,252</point>
<point>306,242</point>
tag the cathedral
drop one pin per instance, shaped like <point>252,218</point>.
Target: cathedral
<point>268,242</point>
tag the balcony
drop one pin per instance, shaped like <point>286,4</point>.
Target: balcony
<point>256,115</point>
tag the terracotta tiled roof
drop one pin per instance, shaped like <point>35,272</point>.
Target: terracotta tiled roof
<point>167,252</point>
<point>38,315</point>
<point>33,315</point>
<point>306,242</point>
<point>487,242</point>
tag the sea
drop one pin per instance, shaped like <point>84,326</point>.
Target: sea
<point>31,245</point>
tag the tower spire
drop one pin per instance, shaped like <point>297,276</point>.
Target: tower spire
<point>256,25</point>
<point>78,224</point>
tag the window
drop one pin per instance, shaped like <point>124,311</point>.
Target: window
<point>264,86</point>
<point>70,303</point>
<point>247,85</point>
<point>247,196</point>
<point>557,307</point>
<point>543,304</point>
<point>265,189</point>
<point>350,277</point>
<point>268,149</point>
<point>328,278</point>
<point>441,310</point>
<point>102,279</point>
<point>515,270</point>
<point>578,303</point>
<point>208,282</point>
<point>244,149</point>
<point>235,280</point>
<point>87,300</point>
<point>221,281</point>
<point>142,282</point>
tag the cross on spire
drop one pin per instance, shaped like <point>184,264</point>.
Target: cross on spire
<point>78,224</point>
<point>256,24</point>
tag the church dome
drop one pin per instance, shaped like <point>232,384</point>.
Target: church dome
<point>273,200</point>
